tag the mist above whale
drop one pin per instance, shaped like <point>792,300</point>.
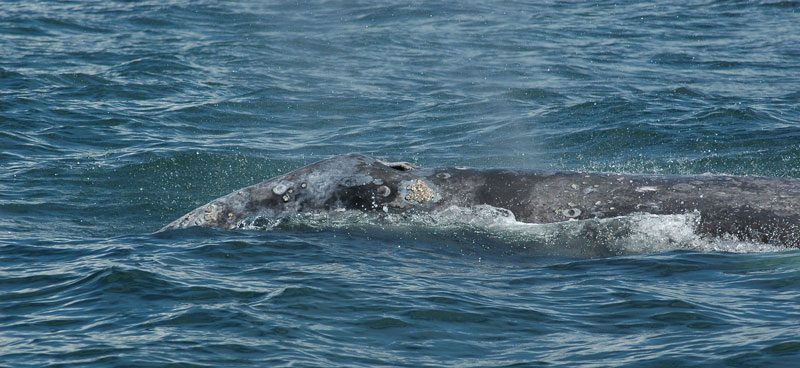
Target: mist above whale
<point>748,208</point>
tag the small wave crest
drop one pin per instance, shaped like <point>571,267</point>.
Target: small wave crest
<point>486,230</point>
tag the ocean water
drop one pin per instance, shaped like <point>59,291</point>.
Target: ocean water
<point>119,116</point>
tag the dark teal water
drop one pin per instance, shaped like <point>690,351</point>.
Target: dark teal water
<point>117,117</point>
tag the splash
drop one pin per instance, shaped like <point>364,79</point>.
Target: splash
<point>485,229</point>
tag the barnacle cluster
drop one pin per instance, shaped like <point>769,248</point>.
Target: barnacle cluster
<point>419,192</point>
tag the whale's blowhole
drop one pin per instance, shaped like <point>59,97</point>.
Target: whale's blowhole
<point>399,166</point>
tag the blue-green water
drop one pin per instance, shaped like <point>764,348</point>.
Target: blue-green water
<point>118,117</point>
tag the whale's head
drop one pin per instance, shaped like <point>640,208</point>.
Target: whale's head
<point>346,182</point>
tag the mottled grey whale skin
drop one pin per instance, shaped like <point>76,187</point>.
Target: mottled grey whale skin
<point>749,208</point>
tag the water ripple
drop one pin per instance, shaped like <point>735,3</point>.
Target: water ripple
<point>120,116</point>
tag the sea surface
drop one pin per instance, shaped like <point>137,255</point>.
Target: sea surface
<point>117,117</point>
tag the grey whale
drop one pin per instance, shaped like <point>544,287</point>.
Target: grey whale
<point>746,207</point>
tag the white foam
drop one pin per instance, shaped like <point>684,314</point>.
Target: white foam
<point>496,229</point>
